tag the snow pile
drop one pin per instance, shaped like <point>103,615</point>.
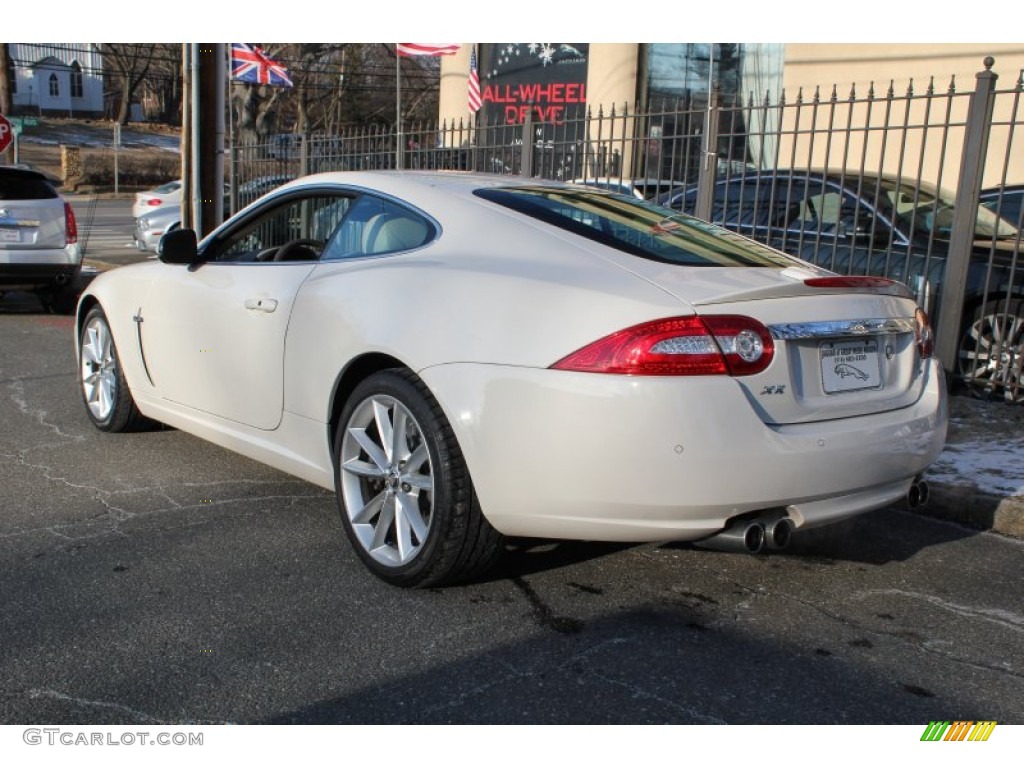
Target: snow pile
<point>995,467</point>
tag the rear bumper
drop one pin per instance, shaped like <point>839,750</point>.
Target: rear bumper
<point>28,277</point>
<point>586,456</point>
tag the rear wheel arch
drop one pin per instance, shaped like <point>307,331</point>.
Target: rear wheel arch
<point>348,379</point>
<point>84,308</point>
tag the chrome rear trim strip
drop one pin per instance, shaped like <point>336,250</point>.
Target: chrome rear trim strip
<point>839,328</point>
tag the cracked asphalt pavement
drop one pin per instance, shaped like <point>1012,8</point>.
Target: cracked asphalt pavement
<point>154,578</point>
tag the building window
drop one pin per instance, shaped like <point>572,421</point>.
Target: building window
<point>77,90</point>
<point>54,86</point>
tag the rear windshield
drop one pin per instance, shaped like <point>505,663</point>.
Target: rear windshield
<point>25,186</point>
<point>637,227</point>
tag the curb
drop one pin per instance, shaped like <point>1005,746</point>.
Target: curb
<point>970,507</point>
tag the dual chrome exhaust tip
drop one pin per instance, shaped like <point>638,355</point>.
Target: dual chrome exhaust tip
<point>769,532</point>
<point>774,531</point>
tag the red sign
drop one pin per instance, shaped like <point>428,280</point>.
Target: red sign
<point>6,133</point>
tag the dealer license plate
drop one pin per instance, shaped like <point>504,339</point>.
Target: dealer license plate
<point>850,365</point>
<point>9,235</point>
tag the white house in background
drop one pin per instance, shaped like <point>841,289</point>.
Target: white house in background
<point>64,79</point>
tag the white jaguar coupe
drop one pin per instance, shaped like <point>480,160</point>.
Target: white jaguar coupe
<point>465,358</point>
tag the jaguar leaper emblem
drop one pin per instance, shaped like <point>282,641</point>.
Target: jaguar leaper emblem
<point>844,370</point>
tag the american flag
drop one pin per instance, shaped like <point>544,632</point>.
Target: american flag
<point>426,49</point>
<point>474,84</point>
<point>251,65</point>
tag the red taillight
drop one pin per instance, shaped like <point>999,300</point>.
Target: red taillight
<point>923,335</point>
<point>679,346</point>
<point>154,201</point>
<point>70,225</point>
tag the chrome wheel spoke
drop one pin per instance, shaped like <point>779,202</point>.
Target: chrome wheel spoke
<point>399,442</point>
<point>411,517</point>
<point>363,468</point>
<point>373,450</point>
<point>384,522</point>
<point>385,429</point>
<point>366,514</point>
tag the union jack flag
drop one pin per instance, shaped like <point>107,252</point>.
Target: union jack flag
<point>426,49</point>
<point>474,84</point>
<point>251,65</point>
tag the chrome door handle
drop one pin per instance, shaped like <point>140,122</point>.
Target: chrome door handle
<point>261,305</point>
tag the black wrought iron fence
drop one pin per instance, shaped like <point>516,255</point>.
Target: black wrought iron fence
<point>922,186</point>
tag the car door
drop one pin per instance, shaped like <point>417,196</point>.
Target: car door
<point>213,335</point>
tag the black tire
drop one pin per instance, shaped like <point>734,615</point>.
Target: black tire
<point>408,503</point>
<point>990,358</point>
<point>105,393</point>
<point>64,301</point>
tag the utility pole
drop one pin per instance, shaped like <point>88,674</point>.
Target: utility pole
<point>203,136</point>
<point>5,86</point>
<point>187,183</point>
<point>212,70</point>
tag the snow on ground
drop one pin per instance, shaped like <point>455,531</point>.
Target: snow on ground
<point>103,138</point>
<point>985,448</point>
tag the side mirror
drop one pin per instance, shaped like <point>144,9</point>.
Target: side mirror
<point>179,246</point>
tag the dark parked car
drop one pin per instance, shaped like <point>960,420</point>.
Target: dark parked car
<point>39,248</point>
<point>881,225</point>
<point>1005,201</point>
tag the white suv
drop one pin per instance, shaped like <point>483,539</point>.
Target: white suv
<point>39,248</point>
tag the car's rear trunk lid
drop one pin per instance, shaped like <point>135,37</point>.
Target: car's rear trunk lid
<point>841,348</point>
<point>32,224</point>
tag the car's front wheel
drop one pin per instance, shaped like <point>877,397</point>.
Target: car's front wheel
<point>108,401</point>
<point>407,501</point>
<point>991,354</point>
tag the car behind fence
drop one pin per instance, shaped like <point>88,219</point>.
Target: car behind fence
<point>922,186</point>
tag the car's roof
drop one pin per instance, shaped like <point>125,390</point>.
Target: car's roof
<point>1006,190</point>
<point>418,187</point>
<point>13,171</point>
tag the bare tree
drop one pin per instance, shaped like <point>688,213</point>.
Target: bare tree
<point>129,64</point>
<point>165,82</point>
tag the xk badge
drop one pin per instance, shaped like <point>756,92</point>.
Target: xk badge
<point>774,389</point>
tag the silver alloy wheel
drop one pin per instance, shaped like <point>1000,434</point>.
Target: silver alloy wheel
<point>99,369</point>
<point>387,480</point>
<point>992,354</point>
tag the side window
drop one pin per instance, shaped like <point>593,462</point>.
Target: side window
<point>375,226</point>
<point>817,210</point>
<point>744,204</point>
<point>295,229</point>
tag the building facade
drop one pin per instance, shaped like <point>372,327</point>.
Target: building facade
<point>760,86</point>
<point>60,79</point>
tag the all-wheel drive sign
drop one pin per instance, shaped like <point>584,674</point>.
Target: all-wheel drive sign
<point>6,133</point>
